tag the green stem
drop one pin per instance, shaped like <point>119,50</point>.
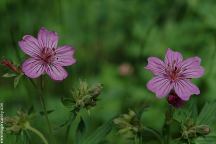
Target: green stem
<point>37,132</point>
<point>166,127</point>
<point>44,106</point>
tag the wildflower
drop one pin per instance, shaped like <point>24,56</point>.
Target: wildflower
<point>174,75</point>
<point>46,57</point>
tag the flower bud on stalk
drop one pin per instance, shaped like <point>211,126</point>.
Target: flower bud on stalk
<point>19,123</point>
<point>83,97</point>
<point>175,100</point>
<point>9,64</point>
<point>128,124</point>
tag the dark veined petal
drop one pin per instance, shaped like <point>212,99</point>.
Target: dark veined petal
<point>191,68</point>
<point>64,56</point>
<point>30,46</point>
<point>47,39</point>
<point>160,85</point>
<point>33,68</point>
<point>156,66</point>
<point>184,89</point>
<point>56,72</point>
<point>173,57</point>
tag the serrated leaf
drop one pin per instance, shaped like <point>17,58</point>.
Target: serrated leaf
<point>17,79</point>
<point>9,75</point>
<point>99,134</point>
<point>207,115</point>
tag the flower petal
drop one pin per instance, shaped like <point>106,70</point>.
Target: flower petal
<point>64,56</point>
<point>33,68</point>
<point>160,85</point>
<point>156,66</point>
<point>30,46</point>
<point>191,68</point>
<point>173,57</point>
<point>56,72</point>
<point>184,89</point>
<point>47,39</point>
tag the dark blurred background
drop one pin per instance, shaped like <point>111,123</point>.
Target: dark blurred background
<point>113,39</point>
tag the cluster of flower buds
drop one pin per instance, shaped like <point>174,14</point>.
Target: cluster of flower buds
<point>83,97</point>
<point>17,123</point>
<point>128,124</point>
<point>9,64</point>
<point>191,130</point>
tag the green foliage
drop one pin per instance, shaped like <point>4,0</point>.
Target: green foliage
<point>99,134</point>
<point>207,115</point>
<point>107,34</point>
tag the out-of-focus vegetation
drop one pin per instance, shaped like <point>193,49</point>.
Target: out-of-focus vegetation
<point>113,39</point>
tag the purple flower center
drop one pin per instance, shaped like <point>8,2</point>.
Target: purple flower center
<point>48,55</point>
<point>173,71</point>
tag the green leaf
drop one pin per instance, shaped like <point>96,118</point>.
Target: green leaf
<point>17,79</point>
<point>188,111</point>
<point>154,133</point>
<point>48,112</point>
<point>207,115</point>
<point>68,102</point>
<point>31,110</point>
<point>211,139</point>
<point>99,134</point>
<point>82,126</point>
<point>9,75</point>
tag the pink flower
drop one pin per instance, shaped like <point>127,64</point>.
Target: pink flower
<point>46,57</point>
<point>174,75</point>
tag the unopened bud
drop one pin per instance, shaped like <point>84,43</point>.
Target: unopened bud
<point>203,129</point>
<point>175,100</point>
<point>9,64</point>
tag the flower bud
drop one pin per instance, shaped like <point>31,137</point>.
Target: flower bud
<point>9,64</point>
<point>128,124</point>
<point>175,100</point>
<point>203,129</point>
<point>17,123</point>
<point>83,96</point>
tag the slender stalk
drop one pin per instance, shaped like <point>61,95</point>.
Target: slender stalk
<point>37,132</point>
<point>166,127</point>
<point>42,101</point>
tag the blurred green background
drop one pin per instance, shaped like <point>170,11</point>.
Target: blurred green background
<point>113,39</point>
